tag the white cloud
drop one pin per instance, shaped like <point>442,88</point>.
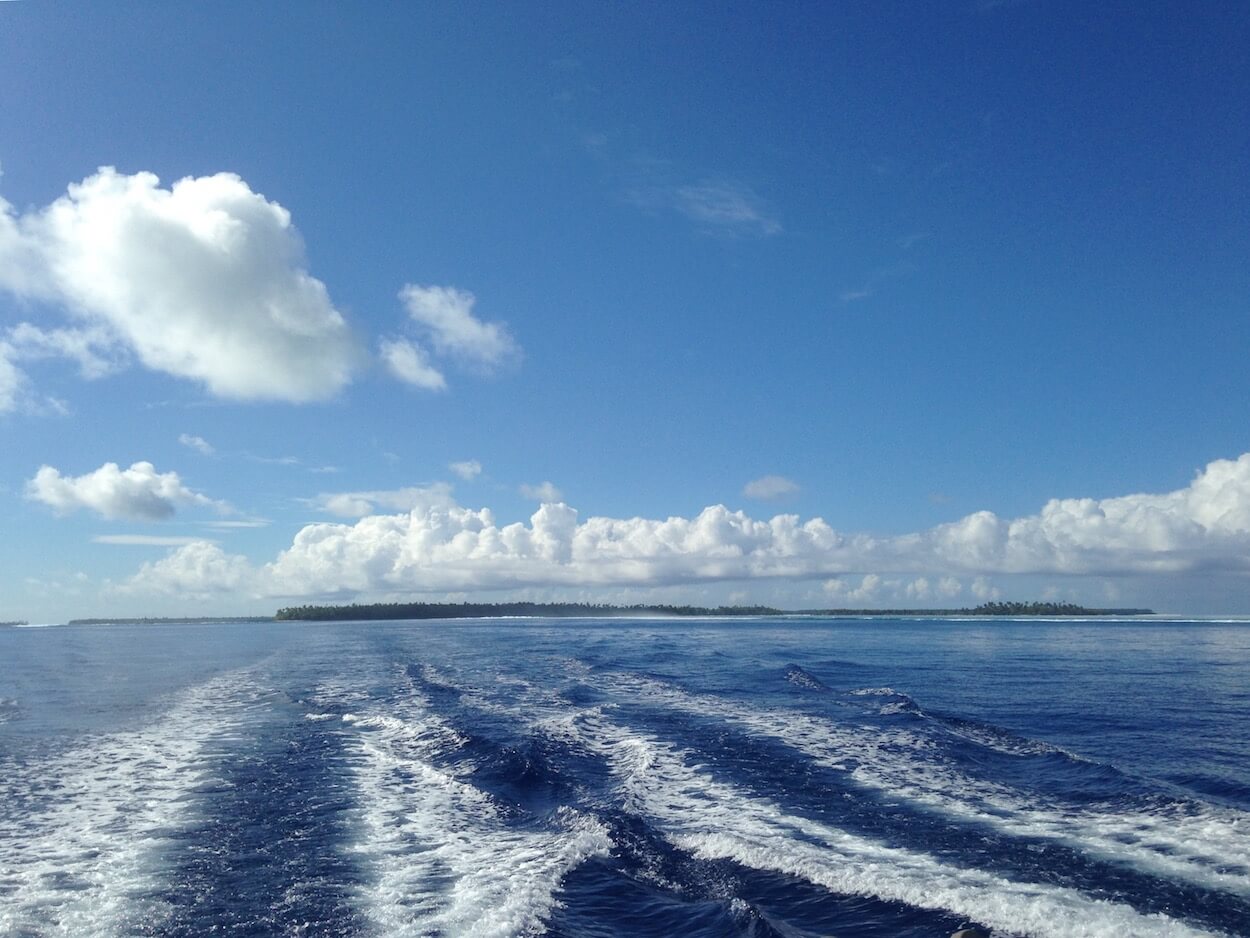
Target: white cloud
<point>144,540</point>
<point>198,570</point>
<point>359,504</point>
<point>139,493</point>
<point>851,296</point>
<point>919,589</point>
<point>92,348</point>
<point>444,315</point>
<point>12,380</point>
<point>204,280</point>
<point>410,363</point>
<point>16,394</point>
<point>197,443</point>
<point>1204,527</point>
<point>983,590</point>
<point>273,460</point>
<point>875,590</point>
<point>727,206</point>
<point>868,590</point>
<point>543,492</point>
<point>468,470</point>
<point>770,487</point>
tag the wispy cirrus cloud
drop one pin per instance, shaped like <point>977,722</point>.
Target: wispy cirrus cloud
<point>12,380</point>
<point>717,203</point>
<point>197,443</point>
<point>95,352</point>
<point>874,280</point>
<point>361,504</point>
<point>720,206</point>
<point>144,540</point>
<point>726,206</point>
<point>17,393</point>
<point>770,487</point>
<point>850,296</point>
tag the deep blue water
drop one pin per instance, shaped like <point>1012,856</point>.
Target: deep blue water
<point>605,778</point>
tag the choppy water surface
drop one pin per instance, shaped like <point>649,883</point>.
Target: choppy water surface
<point>658,778</point>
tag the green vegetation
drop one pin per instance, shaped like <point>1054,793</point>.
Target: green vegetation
<point>477,610</point>
<point>1050,609</point>
<point>373,611</point>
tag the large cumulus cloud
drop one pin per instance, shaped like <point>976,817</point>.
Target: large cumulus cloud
<point>204,280</point>
<point>441,546</point>
<point>139,493</point>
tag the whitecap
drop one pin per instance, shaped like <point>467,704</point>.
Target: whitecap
<point>1204,844</point>
<point>81,833</point>
<point>440,855</point>
<point>717,821</point>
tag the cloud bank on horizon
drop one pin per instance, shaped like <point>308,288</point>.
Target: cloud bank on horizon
<point>439,546</point>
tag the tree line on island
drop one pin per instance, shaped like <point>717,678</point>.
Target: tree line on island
<point>465,610</point>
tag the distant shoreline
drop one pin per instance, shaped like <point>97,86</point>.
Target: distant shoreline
<point>397,611</point>
<point>386,612</point>
<point>171,620</point>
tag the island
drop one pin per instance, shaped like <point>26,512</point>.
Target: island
<point>385,611</point>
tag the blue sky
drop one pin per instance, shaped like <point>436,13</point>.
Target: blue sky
<point>921,268</point>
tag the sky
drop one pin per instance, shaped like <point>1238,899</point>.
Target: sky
<point>810,305</point>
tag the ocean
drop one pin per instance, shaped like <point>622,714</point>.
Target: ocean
<point>712,777</point>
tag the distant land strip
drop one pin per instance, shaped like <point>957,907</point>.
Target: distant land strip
<point>355,611</point>
<point>171,620</point>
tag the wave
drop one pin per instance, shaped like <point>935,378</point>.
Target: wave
<point>81,833</point>
<point>801,677</point>
<point>1002,740</point>
<point>1202,844</point>
<point>440,855</point>
<point>713,820</point>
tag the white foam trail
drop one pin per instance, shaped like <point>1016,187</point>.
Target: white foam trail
<point>1205,845</point>
<point>440,854</point>
<point>81,833</point>
<point>714,820</point>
